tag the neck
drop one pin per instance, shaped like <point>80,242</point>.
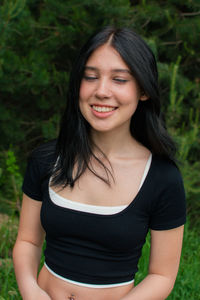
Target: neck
<point>114,143</point>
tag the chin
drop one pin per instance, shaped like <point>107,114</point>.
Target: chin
<point>102,129</point>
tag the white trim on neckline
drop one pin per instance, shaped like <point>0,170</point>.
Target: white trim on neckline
<point>95,209</point>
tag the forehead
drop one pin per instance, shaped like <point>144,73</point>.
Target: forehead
<point>106,57</point>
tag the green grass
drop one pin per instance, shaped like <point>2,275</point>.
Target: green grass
<point>187,283</point>
<point>8,232</point>
<point>188,279</point>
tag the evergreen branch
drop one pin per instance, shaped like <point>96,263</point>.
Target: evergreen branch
<point>173,93</point>
<point>45,27</point>
<point>190,14</point>
<point>46,39</point>
<point>146,23</point>
<point>172,43</point>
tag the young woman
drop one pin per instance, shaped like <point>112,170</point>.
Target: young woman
<point>108,179</point>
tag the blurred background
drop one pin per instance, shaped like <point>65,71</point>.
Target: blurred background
<point>38,43</point>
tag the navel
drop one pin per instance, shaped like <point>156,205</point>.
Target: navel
<point>72,297</point>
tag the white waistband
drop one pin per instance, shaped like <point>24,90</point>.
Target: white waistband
<point>99,286</point>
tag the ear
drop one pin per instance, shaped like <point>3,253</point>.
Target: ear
<point>143,97</point>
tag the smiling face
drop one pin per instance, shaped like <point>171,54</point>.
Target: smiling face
<point>109,94</point>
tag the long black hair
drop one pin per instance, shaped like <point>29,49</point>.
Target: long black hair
<point>74,144</point>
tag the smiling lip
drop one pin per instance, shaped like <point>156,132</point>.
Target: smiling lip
<point>103,110</point>
<point>103,105</point>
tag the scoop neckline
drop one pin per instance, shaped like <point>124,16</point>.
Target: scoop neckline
<point>125,210</point>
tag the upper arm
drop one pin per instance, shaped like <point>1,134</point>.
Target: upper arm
<point>168,214</point>
<point>165,253</point>
<point>30,228</point>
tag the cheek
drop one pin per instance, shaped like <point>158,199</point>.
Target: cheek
<point>85,91</point>
<point>129,93</point>
<point>82,106</point>
<point>83,97</point>
<point>82,92</point>
<point>129,97</point>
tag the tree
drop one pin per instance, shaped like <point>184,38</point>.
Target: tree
<point>39,39</point>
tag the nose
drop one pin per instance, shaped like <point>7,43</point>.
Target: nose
<point>103,89</point>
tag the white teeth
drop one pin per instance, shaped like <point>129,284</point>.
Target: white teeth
<point>102,108</point>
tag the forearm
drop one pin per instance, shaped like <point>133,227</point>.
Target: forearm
<point>153,287</point>
<point>26,259</point>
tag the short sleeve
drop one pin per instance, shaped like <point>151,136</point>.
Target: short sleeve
<point>32,180</point>
<point>169,209</point>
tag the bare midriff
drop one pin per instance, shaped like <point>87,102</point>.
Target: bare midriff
<point>59,289</point>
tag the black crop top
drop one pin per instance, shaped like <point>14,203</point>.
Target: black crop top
<point>105,249</point>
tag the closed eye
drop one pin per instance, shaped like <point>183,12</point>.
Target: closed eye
<point>89,78</point>
<point>120,80</point>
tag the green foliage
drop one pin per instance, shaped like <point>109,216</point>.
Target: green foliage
<point>187,282</point>
<point>185,128</point>
<point>10,182</point>
<point>38,43</point>
<point>186,286</point>
<point>8,233</point>
<point>39,40</point>
<point>8,286</point>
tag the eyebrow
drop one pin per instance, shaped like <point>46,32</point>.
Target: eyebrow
<point>113,70</point>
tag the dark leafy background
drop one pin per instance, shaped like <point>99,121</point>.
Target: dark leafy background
<point>38,42</point>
